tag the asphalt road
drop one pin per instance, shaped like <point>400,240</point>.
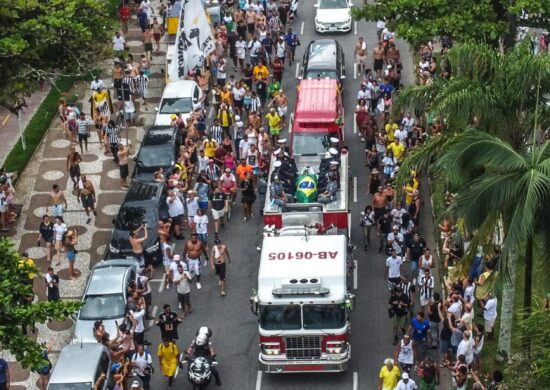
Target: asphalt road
<point>235,328</point>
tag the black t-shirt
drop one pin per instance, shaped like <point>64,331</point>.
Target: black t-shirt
<point>417,248</point>
<point>399,304</point>
<point>434,317</point>
<point>53,290</point>
<point>169,325</point>
<point>46,231</point>
<point>385,224</point>
<point>248,188</point>
<point>218,200</point>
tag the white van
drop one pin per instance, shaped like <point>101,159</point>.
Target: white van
<point>178,97</point>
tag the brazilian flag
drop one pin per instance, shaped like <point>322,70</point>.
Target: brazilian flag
<point>306,188</point>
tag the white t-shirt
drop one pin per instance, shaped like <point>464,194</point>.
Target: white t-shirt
<point>118,43</point>
<point>394,266</point>
<point>380,24</point>
<point>397,215</point>
<point>490,312</point>
<point>192,206</point>
<point>281,48</point>
<point>426,262</point>
<point>201,224</point>
<point>253,47</point>
<point>184,287</point>
<point>141,361</point>
<point>411,385</point>
<point>174,268</point>
<point>395,244</point>
<point>363,95</point>
<point>138,316</point>
<point>59,230</point>
<point>240,47</point>
<point>238,93</point>
<point>244,146</point>
<point>408,124</point>
<point>456,308</point>
<point>466,348</point>
<point>221,72</point>
<point>175,206</point>
<point>469,293</point>
<point>406,353</point>
<point>401,135</point>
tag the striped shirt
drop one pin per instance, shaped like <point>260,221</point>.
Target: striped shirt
<point>425,286</point>
<point>408,289</point>
<point>217,133</point>
<point>255,105</point>
<point>112,134</point>
<point>82,126</point>
<point>142,84</point>
<point>128,84</point>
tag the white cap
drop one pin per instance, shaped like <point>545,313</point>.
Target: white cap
<point>334,140</point>
<point>333,151</point>
<point>282,141</point>
<point>277,164</point>
<point>237,118</point>
<point>405,375</point>
<point>176,257</point>
<point>334,163</point>
<point>278,150</point>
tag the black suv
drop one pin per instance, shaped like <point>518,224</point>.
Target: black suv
<point>145,203</point>
<point>324,58</point>
<point>158,150</point>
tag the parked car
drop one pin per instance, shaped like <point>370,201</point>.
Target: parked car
<point>105,298</point>
<point>157,150</point>
<point>79,366</point>
<point>145,203</point>
<point>324,58</point>
<point>333,16</point>
<point>178,97</point>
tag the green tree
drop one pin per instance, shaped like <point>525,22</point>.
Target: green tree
<point>40,40</point>
<point>419,21</point>
<point>500,176</point>
<point>17,312</point>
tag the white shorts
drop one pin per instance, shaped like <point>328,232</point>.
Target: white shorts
<point>489,325</point>
<point>218,214</point>
<point>424,301</point>
<point>194,266</point>
<point>282,110</point>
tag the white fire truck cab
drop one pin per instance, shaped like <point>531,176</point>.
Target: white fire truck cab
<point>303,303</point>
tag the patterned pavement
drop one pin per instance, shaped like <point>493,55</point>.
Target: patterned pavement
<point>48,168</point>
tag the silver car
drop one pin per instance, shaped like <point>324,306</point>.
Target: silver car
<point>79,366</point>
<point>105,298</point>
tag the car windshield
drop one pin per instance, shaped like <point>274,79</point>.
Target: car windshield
<point>308,144</point>
<point>321,74</point>
<point>173,105</point>
<point>156,157</point>
<point>70,386</point>
<point>281,317</point>
<point>333,4</point>
<point>131,218</point>
<point>324,316</point>
<point>103,307</point>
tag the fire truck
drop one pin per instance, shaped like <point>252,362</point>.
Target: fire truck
<point>303,301</point>
<point>316,128</point>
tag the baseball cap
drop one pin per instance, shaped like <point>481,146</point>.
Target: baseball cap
<point>405,376</point>
<point>228,170</point>
<point>176,257</point>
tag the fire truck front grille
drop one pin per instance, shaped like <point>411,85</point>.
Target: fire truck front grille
<point>305,347</point>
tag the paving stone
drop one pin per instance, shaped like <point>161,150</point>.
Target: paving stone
<point>54,172</point>
<point>107,206</point>
<point>18,373</point>
<point>100,244</point>
<point>64,273</point>
<point>60,325</point>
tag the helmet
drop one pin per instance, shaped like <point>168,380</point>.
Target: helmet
<point>201,339</point>
<point>199,370</point>
<point>205,330</point>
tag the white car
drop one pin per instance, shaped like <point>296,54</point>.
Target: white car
<point>333,16</point>
<point>182,97</point>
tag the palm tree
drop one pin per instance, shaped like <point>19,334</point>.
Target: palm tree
<point>491,106</point>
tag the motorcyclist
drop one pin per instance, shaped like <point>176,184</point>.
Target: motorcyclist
<point>202,346</point>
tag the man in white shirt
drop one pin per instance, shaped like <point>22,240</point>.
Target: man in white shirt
<point>380,26</point>
<point>118,43</point>
<point>489,313</point>
<point>175,210</point>
<point>425,284</point>
<point>396,240</point>
<point>406,383</point>
<point>143,362</point>
<point>182,280</point>
<point>138,314</point>
<point>466,347</point>
<point>401,135</point>
<point>200,222</point>
<point>408,123</point>
<point>393,269</point>
<point>240,49</point>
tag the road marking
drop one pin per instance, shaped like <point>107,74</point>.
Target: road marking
<point>302,29</point>
<point>355,380</point>
<point>297,69</point>
<point>354,189</point>
<point>161,287</point>
<point>259,380</point>
<point>355,28</point>
<point>355,274</point>
<point>153,314</point>
<point>355,123</point>
<point>354,70</point>
<point>6,119</point>
<point>156,280</point>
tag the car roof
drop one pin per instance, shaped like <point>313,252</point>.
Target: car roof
<point>108,277</point>
<point>322,54</point>
<point>139,192</point>
<point>77,363</point>
<point>159,136</point>
<point>179,89</point>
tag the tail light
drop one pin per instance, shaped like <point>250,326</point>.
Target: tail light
<point>335,344</point>
<point>272,345</point>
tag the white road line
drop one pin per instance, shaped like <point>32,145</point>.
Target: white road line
<point>354,123</point>
<point>355,28</point>
<point>161,287</point>
<point>302,29</point>
<point>354,189</point>
<point>355,270</point>
<point>354,70</point>
<point>355,380</point>
<point>259,380</point>
<point>297,69</point>
<point>156,280</point>
<point>154,315</point>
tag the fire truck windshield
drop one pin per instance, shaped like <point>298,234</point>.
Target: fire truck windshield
<point>324,316</point>
<point>281,317</point>
<point>309,144</point>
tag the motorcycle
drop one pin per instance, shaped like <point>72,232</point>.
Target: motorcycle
<point>199,371</point>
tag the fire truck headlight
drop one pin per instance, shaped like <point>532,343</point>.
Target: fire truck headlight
<point>271,348</point>
<point>334,347</point>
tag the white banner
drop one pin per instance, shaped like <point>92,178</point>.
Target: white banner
<point>194,40</point>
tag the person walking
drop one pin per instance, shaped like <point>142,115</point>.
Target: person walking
<point>83,132</point>
<point>142,362</point>
<point>59,229</point>
<point>86,195</point>
<point>192,250</point>
<point>218,263</point>
<point>367,223</point>
<point>404,354</point>
<point>73,165</point>
<point>112,132</point>
<point>46,233</point>
<point>389,375</point>
<point>218,205</point>
<point>168,354</point>
<point>393,270</point>
<point>58,203</point>
<point>52,285</point>
<point>168,322</point>
<point>122,154</point>
<point>70,240</point>
<point>182,281</point>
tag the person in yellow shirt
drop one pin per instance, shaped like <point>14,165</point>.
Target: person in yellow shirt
<point>390,128</point>
<point>209,145</point>
<point>260,69</point>
<point>389,375</point>
<point>274,122</point>
<point>398,150</point>
<point>168,353</point>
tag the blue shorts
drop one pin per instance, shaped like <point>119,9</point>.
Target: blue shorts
<point>71,256</point>
<point>256,170</point>
<point>444,346</point>
<point>203,205</point>
<point>203,237</point>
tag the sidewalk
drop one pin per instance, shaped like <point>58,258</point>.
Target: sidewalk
<point>9,126</point>
<point>48,168</point>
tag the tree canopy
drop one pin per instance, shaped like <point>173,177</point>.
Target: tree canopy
<point>418,21</point>
<point>42,39</point>
<point>17,312</point>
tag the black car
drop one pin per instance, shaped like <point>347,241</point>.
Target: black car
<point>324,58</point>
<point>158,150</point>
<point>145,203</point>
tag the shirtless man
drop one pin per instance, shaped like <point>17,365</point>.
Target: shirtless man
<point>58,202</point>
<point>282,104</point>
<point>86,195</point>
<point>378,56</point>
<point>123,153</point>
<point>217,262</point>
<point>164,231</point>
<point>137,243</point>
<point>193,249</point>
<point>361,55</point>
<point>254,119</point>
<point>379,202</point>
<point>393,54</point>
